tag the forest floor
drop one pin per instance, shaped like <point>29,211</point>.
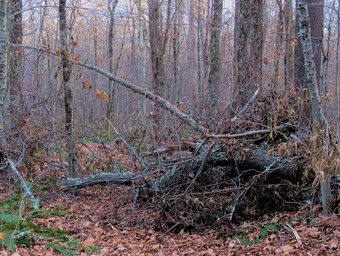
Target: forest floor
<point>108,218</point>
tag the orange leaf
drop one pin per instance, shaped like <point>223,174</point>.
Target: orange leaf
<point>86,85</point>
<point>103,95</point>
<point>75,58</point>
<point>2,235</point>
<point>74,43</point>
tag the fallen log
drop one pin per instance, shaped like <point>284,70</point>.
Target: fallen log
<point>256,159</point>
<point>114,178</point>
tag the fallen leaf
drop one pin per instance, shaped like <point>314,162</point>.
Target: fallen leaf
<point>89,242</point>
<point>210,252</point>
<point>121,248</point>
<point>2,235</point>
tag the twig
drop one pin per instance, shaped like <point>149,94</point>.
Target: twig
<point>296,234</point>
<point>23,184</point>
<point>241,195</point>
<point>166,232</point>
<point>247,106</point>
<point>127,146</point>
<point>21,235</point>
<point>201,167</point>
<point>244,134</point>
<point>135,200</point>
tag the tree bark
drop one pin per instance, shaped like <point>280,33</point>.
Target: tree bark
<point>15,58</point>
<point>112,4</point>
<point>68,97</point>
<point>312,85</point>
<point>3,66</point>
<point>175,52</point>
<point>278,43</point>
<point>289,49</point>
<point>248,43</point>
<point>214,77</point>
<point>200,64</point>
<point>157,60</point>
<point>337,86</point>
<point>114,178</point>
<point>316,14</point>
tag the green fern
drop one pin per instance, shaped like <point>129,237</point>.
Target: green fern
<point>6,218</point>
<point>11,224</point>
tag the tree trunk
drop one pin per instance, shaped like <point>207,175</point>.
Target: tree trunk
<point>175,52</point>
<point>323,85</point>
<point>315,10</point>
<point>316,14</point>
<point>68,98</point>
<point>191,51</point>
<point>278,44</point>
<point>200,77</point>
<point>3,66</point>
<point>112,4</point>
<point>15,59</point>
<point>214,77</point>
<point>312,85</point>
<point>289,51</point>
<point>337,86</point>
<point>157,60</point>
<point>249,38</point>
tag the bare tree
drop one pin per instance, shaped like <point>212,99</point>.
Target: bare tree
<point>68,97</point>
<point>248,43</point>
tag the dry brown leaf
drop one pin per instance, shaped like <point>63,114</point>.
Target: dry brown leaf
<point>89,242</point>
<point>210,252</point>
<point>86,85</point>
<point>103,95</point>
<point>75,58</point>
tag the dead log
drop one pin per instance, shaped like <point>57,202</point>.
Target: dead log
<point>257,159</point>
<point>114,178</point>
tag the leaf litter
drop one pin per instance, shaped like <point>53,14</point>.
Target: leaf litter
<point>108,217</point>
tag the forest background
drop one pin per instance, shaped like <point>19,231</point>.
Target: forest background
<point>172,98</point>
